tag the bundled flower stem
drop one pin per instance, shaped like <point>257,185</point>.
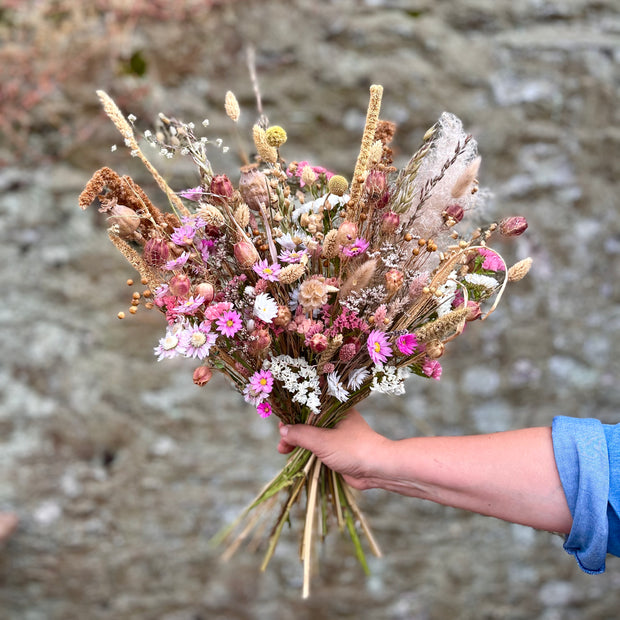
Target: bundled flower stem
<point>308,298</point>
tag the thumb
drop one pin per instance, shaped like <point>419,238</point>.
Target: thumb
<point>305,436</point>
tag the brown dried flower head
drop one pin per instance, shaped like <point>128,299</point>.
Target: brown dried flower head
<point>231,106</point>
<point>519,270</point>
<point>253,187</point>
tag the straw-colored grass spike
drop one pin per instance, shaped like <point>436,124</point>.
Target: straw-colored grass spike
<point>519,270</point>
<point>368,138</point>
<point>121,123</point>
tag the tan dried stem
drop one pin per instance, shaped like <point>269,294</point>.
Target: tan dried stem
<point>136,261</point>
<point>368,138</point>
<point>121,123</point>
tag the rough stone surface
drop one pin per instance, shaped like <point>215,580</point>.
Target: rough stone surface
<point>121,470</point>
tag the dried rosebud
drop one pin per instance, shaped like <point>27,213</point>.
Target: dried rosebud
<point>156,252</point>
<point>206,290</point>
<point>455,212</point>
<point>393,280</point>
<point>434,349</point>
<point>389,222</point>
<point>125,220</point>
<point>513,226</point>
<point>245,253</point>
<point>318,343</point>
<point>202,375</point>
<point>347,231</point>
<point>221,188</point>
<point>253,187</point>
<point>179,285</point>
<point>375,184</point>
<point>283,318</point>
<point>474,311</point>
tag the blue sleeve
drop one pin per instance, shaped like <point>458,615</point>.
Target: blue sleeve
<point>587,455</point>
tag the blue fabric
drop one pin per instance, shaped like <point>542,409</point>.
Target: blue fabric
<point>587,455</point>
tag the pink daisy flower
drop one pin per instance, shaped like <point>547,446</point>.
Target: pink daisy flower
<point>215,311</point>
<point>407,343</point>
<point>171,265</point>
<point>432,368</point>
<point>261,381</point>
<point>197,341</point>
<point>359,246</point>
<point>193,193</point>
<point>264,410</point>
<point>378,347</point>
<point>168,345</point>
<point>292,256</point>
<point>229,323</point>
<point>266,271</point>
<point>189,306</point>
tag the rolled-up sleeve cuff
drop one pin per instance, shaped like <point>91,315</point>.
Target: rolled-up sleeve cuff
<point>582,459</point>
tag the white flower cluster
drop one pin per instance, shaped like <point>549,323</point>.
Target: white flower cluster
<point>314,206</point>
<point>299,378</point>
<point>389,379</point>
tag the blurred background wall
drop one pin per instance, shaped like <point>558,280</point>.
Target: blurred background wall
<point>121,470</point>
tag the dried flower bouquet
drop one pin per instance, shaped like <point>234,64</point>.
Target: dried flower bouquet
<point>309,292</point>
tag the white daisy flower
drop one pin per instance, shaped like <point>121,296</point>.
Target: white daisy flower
<point>265,307</point>
<point>357,378</point>
<point>335,387</point>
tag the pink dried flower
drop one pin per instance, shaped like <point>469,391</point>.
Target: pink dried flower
<point>202,375</point>
<point>262,382</point>
<point>266,271</point>
<point>378,347</point>
<point>407,344</point>
<point>229,323</point>
<point>432,368</point>
<point>389,222</point>
<point>176,263</point>
<point>317,342</point>
<point>188,306</point>
<point>292,256</point>
<point>180,285</point>
<point>215,311</point>
<point>184,235</point>
<point>513,226</point>
<point>264,410</point>
<point>327,368</point>
<point>347,352</point>
<point>156,252</point>
<point>358,247</point>
<point>492,261</point>
<point>194,193</point>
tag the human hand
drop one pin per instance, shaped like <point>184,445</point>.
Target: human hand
<point>351,448</point>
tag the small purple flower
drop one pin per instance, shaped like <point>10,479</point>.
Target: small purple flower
<point>229,323</point>
<point>266,271</point>
<point>407,343</point>
<point>432,368</point>
<point>184,235</point>
<point>171,265</point>
<point>189,306</point>
<point>378,347</point>
<point>205,246</point>
<point>196,341</point>
<point>264,410</point>
<point>292,256</point>
<point>261,381</point>
<point>359,246</point>
<point>193,193</point>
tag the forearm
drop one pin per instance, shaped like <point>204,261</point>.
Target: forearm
<point>510,475</point>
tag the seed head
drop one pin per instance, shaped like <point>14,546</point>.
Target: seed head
<point>276,136</point>
<point>338,185</point>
